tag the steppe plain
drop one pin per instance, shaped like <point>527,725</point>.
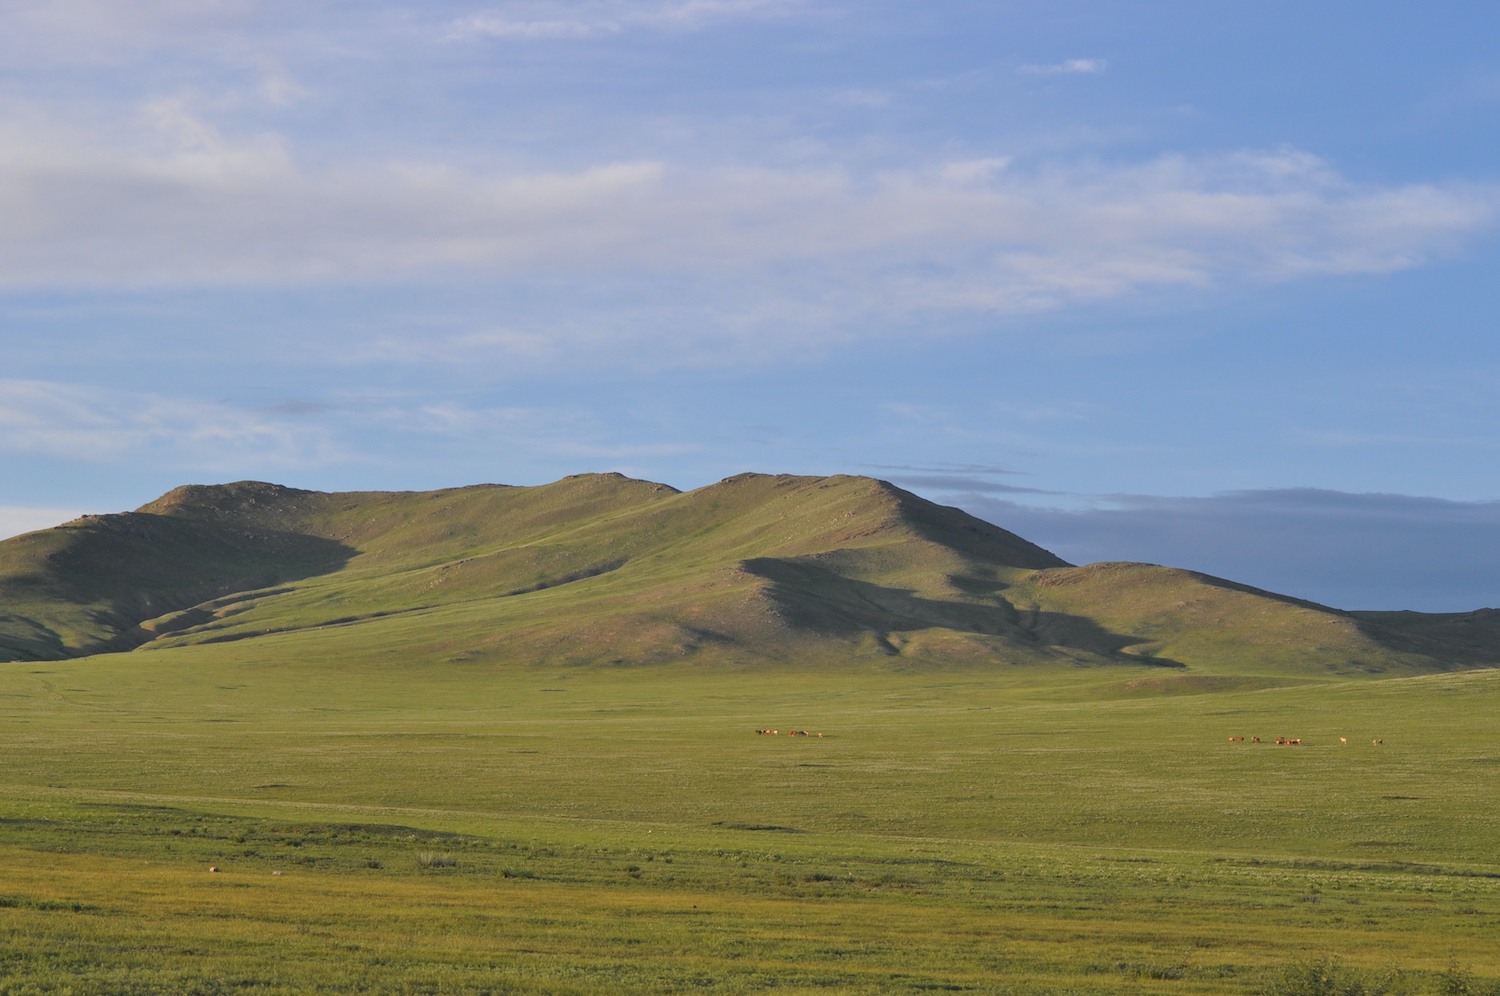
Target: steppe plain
<point>505,741</point>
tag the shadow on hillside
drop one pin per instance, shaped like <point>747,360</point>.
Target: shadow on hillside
<point>26,639</point>
<point>1453,639</point>
<point>812,597</point>
<point>122,580</point>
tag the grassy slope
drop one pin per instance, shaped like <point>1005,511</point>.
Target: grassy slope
<point>605,569</point>
<point>82,586</point>
<point>1215,625</point>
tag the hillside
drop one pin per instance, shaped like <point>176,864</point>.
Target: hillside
<point>603,569</point>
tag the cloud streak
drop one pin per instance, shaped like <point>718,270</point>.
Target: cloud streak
<point>1069,67</point>
<point>544,22</point>
<point>91,425</point>
<point>104,426</point>
<point>178,203</point>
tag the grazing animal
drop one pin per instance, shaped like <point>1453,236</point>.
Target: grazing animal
<point>1343,740</point>
<point>276,873</point>
<point>820,734</point>
<point>1235,739</point>
<point>1255,740</point>
<point>1377,741</point>
<point>213,868</point>
<point>1294,743</point>
<point>1281,740</point>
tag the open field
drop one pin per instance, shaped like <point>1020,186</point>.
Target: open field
<point>503,740</point>
<point>1013,829</point>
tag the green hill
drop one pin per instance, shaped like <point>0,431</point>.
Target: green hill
<point>603,569</point>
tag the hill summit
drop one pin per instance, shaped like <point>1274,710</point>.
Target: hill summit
<point>605,569</point>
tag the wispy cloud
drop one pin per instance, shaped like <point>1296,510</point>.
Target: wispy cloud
<point>1074,66</point>
<point>561,432</point>
<point>491,26</point>
<point>92,425</point>
<point>533,22</point>
<point>971,485</point>
<point>944,468</point>
<point>177,202</point>
<point>104,426</point>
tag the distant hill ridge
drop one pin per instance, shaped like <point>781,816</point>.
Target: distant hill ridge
<point>606,569</point>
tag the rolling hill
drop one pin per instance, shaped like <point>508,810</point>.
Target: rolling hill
<point>603,569</point>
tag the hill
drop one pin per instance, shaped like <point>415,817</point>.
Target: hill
<point>603,569</point>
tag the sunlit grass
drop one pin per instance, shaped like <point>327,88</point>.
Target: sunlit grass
<point>468,829</point>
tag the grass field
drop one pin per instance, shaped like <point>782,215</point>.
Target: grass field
<point>462,827</point>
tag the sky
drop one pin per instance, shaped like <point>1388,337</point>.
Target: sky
<point>1206,284</point>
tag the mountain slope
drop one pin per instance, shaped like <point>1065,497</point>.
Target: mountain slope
<point>605,569</point>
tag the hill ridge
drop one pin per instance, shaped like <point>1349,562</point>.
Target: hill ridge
<point>604,568</point>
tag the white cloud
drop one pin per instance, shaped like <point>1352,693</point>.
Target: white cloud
<point>101,426</point>
<point>481,25</point>
<point>99,34</point>
<point>1083,66</point>
<point>174,202</point>
<point>526,22</point>
<point>104,426</point>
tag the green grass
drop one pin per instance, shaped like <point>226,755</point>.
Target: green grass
<point>625,830</point>
<point>503,740</point>
<point>601,569</point>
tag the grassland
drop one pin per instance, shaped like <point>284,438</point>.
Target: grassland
<point>503,740</point>
<point>625,829</point>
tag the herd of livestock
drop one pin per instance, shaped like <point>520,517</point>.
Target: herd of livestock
<point>1296,742</point>
<point>1281,741</point>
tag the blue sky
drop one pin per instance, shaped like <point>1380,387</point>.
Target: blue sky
<point>1204,284</point>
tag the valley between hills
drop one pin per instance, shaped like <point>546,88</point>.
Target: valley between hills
<point>263,741</point>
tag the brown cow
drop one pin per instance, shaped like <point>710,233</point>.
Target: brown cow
<point>1235,739</point>
<point>1255,740</point>
<point>1377,741</point>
